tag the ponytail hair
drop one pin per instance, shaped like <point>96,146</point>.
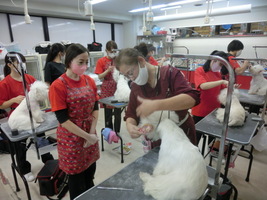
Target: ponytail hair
<point>53,51</point>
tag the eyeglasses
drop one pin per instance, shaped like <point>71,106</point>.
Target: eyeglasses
<point>130,73</point>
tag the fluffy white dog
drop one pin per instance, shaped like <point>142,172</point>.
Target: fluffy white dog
<point>237,112</point>
<point>181,172</point>
<point>154,120</point>
<point>258,84</point>
<point>122,92</point>
<point>19,119</point>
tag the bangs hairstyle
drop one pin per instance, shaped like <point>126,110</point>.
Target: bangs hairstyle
<point>235,45</point>
<point>128,56</point>
<point>12,59</point>
<point>111,45</point>
<point>73,51</point>
<point>222,54</point>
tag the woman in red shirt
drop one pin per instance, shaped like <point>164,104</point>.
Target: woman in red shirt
<point>155,88</point>
<point>104,69</point>
<point>73,97</point>
<point>209,82</point>
<point>12,93</point>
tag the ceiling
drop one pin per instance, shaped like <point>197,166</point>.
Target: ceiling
<point>113,10</point>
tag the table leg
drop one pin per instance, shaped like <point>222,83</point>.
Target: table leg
<point>227,162</point>
<point>203,144</point>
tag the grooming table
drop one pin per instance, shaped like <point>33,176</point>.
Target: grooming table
<point>239,135</point>
<point>126,184</point>
<point>50,122</point>
<point>121,106</point>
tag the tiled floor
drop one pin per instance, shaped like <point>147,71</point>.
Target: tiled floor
<point>109,163</point>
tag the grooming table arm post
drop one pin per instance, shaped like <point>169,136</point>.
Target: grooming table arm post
<point>227,105</point>
<point>27,98</point>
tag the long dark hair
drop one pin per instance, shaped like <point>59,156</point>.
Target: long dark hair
<point>11,59</point>
<point>222,54</point>
<point>73,51</point>
<point>54,50</point>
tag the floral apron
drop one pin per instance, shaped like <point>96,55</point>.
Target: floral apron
<point>108,86</point>
<point>73,157</point>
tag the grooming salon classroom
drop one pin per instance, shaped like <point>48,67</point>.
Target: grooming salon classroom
<point>137,100</point>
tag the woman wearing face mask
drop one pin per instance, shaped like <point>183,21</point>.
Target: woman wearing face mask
<point>209,82</point>
<point>12,93</point>
<point>104,69</point>
<point>234,50</point>
<point>154,89</point>
<point>54,67</point>
<point>73,97</point>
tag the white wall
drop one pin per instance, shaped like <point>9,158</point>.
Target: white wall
<point>206,45</point>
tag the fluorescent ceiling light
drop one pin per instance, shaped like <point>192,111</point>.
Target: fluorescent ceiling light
<point>164,5</point>
<point>182,2</point>
<point>147,8</point>
<point>202,13</point>
<point>93,2</point>
<point>169,8</point>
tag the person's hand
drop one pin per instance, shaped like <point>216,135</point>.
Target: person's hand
<point>236,86</point>
<point>246,64</point>
<point>146,107</point>
<point>224,82</point>
<point>90,140</point>
<point>18,99</point>
<point>111,68</point>
<point>133,130</point>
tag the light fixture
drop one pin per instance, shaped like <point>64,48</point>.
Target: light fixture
<point>97,1</point>
<point>88,8</point>
<point>149,15</point>
<point>27,16</point>
<point>219,11</point>
<point>144,22</point>
<point>172,7</point>
<point>164,5</point>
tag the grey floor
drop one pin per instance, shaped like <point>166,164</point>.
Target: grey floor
<point>109,163</point>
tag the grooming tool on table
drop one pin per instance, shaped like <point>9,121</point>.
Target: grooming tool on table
<point>114,188</point>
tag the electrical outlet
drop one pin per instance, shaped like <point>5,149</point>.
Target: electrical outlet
<point>207,20</point>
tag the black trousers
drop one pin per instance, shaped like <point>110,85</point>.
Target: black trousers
<point>108,118</point>
<point>79,183</point>
<point>21,159</point>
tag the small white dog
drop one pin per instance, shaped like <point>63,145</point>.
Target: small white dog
<point>180,173</point>
<point>123,90</point>
<point>237,112</point>
<point>19,119</point>
<point>258,84</point>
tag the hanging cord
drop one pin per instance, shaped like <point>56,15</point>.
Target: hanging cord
<point>79,7</point>
<point>13,3</point>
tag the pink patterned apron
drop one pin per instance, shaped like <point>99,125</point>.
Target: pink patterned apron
<point>73,157</point>
<point>108,86</point>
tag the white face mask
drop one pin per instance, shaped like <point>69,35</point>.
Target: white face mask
<point>112,55</point>
<point>18,68</point>
<point>238,53</point>
<point>215,66</point>
<point>142,77</point>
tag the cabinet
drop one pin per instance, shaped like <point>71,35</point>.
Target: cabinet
<point>162,43</point>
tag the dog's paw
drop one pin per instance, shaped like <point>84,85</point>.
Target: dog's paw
<point>144,176</point>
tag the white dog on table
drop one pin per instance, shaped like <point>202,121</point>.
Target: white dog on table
<point>237,112</point>
<point>20,119</point>
<point>258,84</point>
<point>180,173</point>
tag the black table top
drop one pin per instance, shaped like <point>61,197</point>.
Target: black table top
<point>128,178</point>
<point>238,134</point>
<point>108,100</point>
<point>50,122</point>
<point>244,97</point>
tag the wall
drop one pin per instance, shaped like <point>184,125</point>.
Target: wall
<point>205,46</point>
